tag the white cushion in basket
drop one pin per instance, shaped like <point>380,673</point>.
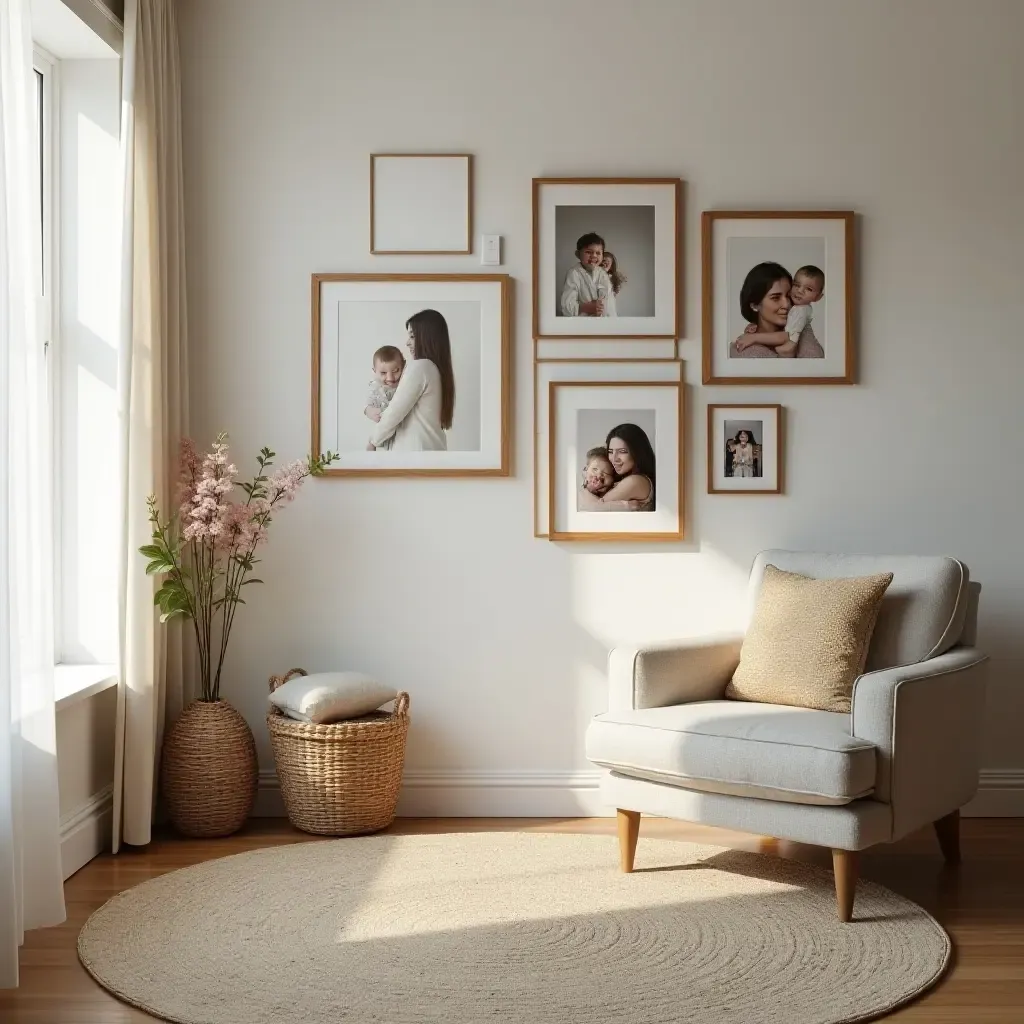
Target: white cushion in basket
<point>331,696</point>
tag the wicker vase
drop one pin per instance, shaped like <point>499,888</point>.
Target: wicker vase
<point>208,770</point>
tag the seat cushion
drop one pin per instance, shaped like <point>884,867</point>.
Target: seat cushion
<point>922,613</point>
<point>743,749</point>
<point>808,640</point>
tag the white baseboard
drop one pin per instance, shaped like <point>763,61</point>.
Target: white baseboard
<point>85,832</point>
<point>1000,794</point>
<point>487,794</point>
<point>529,794</point>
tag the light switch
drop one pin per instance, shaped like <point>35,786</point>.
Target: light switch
<point>490,255</point>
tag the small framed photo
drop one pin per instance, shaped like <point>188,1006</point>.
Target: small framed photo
<point>745,452</point>
<point>615,461</point>
<point>421,204</point>
<point>778,297</point>
<point>412,373</point>
<point>607,257</point>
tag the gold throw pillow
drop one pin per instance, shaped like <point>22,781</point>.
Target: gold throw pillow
<point>808,640</point>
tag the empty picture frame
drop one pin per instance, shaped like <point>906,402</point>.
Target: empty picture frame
<point>421,204</point>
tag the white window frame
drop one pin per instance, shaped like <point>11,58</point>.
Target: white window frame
<point>48,317</point>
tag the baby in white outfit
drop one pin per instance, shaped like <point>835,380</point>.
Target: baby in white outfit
<point>388,364</point>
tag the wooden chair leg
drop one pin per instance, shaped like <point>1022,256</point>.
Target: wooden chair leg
<point>947,830</point>
<point>629,832</point>
<point>844,866</point>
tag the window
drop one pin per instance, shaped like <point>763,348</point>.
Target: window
<point>45,66</point>
<point>77,114</point>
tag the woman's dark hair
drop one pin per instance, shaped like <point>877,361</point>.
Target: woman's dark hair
<point>757,284</point>
<point>618,278</point>
<point>743,430</point>
<point>640,449</point>
<point>430,341</point>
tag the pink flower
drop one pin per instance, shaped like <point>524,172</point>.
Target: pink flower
<point>285,483</point>
<point>208,505</point>
<point>236,527</point>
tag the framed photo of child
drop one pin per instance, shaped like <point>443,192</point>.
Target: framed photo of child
<point>778,297</point>
<point>412,373</point>
<point>745,451</point>
<point>615,460</point>
<point>607,257</point>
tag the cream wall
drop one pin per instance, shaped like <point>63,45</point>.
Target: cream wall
<point>906,111</point>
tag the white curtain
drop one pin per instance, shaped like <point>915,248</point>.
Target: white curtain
<point>153,385</point>
<point>31,888</point>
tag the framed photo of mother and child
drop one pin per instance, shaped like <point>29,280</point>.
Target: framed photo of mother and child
<point>615,464</point>
<point>607,258</point>
<point>412,373</point>
<point>778,297</point>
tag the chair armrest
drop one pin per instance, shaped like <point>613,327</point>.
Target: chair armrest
<point>925,722</point>
<point>675,672</point>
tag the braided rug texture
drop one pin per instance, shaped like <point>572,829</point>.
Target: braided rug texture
<point>508,928</point>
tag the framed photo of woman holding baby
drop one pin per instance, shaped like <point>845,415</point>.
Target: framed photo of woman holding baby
<point>615,460</point>
<point>778,297</point>
<point>412,373</point>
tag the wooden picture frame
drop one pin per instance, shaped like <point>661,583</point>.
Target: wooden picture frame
<point>766,424</point>
<point>597,371</point>
<point>735,244</point>
<point>563,479</point>
<point>426,190</point>
<point>477,309</point>
<point>644,217</point>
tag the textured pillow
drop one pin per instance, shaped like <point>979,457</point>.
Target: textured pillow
<point>808,640</point>
<point>331,696</point>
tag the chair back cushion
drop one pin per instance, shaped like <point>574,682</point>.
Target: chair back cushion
<point>921,615</point>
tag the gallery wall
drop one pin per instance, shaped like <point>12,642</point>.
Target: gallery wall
<point>906,112</point>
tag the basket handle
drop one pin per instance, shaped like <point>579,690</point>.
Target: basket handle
<point>276,681</point>
<point>401,704</point>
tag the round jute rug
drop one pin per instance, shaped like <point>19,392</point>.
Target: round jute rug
<point>507,928</point>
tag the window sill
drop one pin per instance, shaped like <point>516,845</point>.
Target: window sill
<point>72,683</point>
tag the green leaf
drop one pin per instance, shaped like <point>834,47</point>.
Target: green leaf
<point>159,565</point>
<point>245,583</point>
<point>153,551</point>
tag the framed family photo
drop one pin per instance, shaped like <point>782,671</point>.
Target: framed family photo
<point>412,373</point>
<point>607,257</point>
<point>421,204</point>
<point>615,460</point>
<point>745,449</point>
<point>778,297</point>
<point>598,371</point>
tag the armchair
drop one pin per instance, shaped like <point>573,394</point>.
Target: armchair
<point>906,755</point>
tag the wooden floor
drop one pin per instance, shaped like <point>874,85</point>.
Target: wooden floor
<point>980,903</point>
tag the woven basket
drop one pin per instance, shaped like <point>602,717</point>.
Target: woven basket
<point>340,779</point>
<point>208,770</point>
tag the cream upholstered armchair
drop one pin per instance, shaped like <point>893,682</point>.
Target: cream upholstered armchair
<point>905,756</point>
